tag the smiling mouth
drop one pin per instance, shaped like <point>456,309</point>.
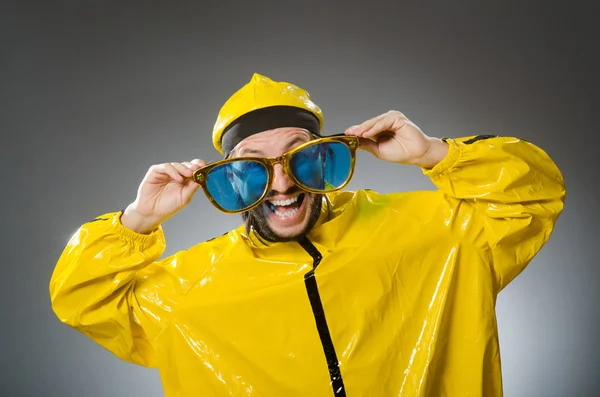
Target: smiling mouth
<point>286,208</point>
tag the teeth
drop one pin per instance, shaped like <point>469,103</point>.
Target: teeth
<point>286,214</point>
<point>284,202</point>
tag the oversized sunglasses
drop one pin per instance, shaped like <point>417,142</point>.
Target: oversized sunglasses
<point>236,185</point>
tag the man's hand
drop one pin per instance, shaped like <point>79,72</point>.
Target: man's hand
<point>393,137</point>
<point>165,190</point>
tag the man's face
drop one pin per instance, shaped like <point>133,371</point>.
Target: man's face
<point>288,211</point>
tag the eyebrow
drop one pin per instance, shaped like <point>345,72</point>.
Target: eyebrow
<point>291,143</point>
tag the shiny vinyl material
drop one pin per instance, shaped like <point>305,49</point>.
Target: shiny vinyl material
<point>259,93</point>
<point>390,295</point>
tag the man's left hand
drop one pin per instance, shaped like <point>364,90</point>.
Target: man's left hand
<point>393,137</point>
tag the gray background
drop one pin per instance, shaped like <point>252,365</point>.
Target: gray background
<point>93,93</point>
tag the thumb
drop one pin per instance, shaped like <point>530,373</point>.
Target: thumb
<point>370,146</point>
<point>190,188</point>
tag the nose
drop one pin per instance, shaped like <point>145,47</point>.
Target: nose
<point>281,182</point>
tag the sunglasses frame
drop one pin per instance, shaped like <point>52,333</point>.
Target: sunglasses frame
<point>352,142</point>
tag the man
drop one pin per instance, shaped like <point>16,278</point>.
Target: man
<point>321,291</point>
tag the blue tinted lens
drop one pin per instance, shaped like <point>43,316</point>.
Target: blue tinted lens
<point>323,166</point>
<point>237,185</point>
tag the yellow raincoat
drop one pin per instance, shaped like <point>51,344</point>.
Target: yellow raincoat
<point>390,294</point>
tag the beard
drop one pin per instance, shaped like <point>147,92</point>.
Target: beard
<point>255,219</point>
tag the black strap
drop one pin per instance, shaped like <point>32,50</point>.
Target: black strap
<point>314,297</point>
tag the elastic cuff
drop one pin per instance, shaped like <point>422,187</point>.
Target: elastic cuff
<point>454,152</point>
<point>130,235</point>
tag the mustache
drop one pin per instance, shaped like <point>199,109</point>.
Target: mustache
<point>292,190</point>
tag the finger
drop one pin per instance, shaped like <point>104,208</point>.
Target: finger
<point>392,121</point>
<point>370,146</point>
<point>182,169</point>
<point>359,129</point>
<point>161,170</point>
<point>190,188</point>
<point>194,164</point>
<point>383,124</point>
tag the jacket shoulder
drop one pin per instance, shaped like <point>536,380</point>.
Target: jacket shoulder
<point>190,264</point>
<point>370,196</point>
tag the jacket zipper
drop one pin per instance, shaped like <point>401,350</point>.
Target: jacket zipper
<point>312,290</point>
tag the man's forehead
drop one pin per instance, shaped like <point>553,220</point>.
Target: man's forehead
<point>280,137</point>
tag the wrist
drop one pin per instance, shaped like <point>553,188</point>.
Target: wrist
<point>138,223</point>
<point>438,150</point>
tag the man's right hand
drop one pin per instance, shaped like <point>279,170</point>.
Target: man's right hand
<point>165,190</point>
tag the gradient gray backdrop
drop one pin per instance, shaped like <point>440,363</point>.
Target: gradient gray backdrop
<point>94,92</point>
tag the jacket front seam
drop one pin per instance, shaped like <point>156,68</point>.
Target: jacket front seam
<point>316,304</point>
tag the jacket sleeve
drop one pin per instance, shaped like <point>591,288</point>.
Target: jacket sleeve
<point>92,288</point>
<point>509,190</point>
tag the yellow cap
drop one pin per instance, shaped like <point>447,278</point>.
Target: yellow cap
<point>261,92</point>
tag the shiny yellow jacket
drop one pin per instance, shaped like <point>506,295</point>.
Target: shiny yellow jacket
<point>390,294</point>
